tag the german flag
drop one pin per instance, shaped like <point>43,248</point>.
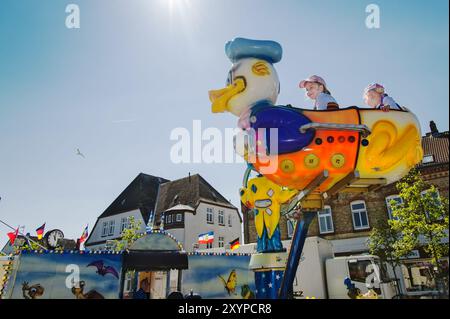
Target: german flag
<point>235,244</point>
<point>40,232</point>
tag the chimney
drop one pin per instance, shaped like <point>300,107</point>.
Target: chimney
<point>433,129</point>
<point>189,177</point>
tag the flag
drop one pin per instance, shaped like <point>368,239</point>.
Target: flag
<point>40,232</point>
<point>206,238</point>
<point>12,236</point>
<point>149,226</point>
<point>84,235</point>
<point>235,244</point>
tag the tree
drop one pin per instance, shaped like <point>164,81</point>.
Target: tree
<point>422,220</point>
<point>129,235</point>
<point>381,243</point>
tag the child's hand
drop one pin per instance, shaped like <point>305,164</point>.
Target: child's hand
<point>385,108</point>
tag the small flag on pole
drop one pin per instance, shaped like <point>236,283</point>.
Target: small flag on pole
<point>12,236</point>
<point>206,238</point>
<point>40,232</point>
<point>235,244</point>
<point>84,236</point>
<point>149,226</point>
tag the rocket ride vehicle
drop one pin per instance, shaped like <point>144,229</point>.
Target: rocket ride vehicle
<point>318,153</point>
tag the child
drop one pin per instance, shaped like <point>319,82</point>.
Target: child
<point>374,96</point>
<point>316,89</point>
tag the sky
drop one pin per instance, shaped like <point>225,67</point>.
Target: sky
<point>116,87</point>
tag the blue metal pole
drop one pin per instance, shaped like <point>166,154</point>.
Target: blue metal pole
<point>298,241</point>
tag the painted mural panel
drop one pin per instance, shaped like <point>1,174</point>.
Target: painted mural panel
<point>67,276</point>
<point>219,276</point>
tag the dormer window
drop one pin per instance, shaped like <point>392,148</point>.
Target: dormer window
<point>428,159</point>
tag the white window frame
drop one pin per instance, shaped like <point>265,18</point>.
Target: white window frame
<point>428,158</point>
<point>230,224</point>
<point>221,241</point>
<point>105,229</point>
<point>112,227</point>
<point>438,197</point>
<point>388,205</point>
<point>324,213</point>
<point>221,218</point>
<point>125,223</point>
<point>209,215</point>
<point>179,217</point>
<point>359,211</point>
<point>209,245</point>
<point>169,219</point>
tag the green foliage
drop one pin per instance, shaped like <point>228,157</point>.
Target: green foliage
<point>421,219</point>
<point>423,215</point>
<point>129,235</point>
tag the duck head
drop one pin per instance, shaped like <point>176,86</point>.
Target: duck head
<point>252,78</point>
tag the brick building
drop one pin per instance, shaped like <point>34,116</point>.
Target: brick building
<point>349,217</point>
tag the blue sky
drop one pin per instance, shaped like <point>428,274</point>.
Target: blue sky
<point>116,87</point>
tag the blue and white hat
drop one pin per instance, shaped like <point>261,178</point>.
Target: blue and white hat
<point>240,48</point>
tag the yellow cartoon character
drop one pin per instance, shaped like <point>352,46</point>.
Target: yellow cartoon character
<point>265,197</point>
<point>230,284</point>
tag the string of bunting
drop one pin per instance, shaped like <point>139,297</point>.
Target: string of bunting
<point>217,254</point>
<point>166,233</point>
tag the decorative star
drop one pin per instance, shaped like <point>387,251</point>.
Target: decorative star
<point>270,285</point>
<point>277,277</point>
<point>263,290</point>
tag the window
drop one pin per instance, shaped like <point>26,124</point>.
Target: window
<point>418,276</point>
<point>359,215</point>
<point>179,217</point>
<point>169,219</point>
<point>221,241</point>
<point>361,269</point>
<point>105,229</point>
<point>229,220</point>
<point>436,197</point>
<point>325,220</point>
<point>111,227</point>
<point>209,215</point>
<point>358,269</point>
<point>389,199</point>
<point>428,159</point>
<point>208,245</point>
<point>125,224</point>
<point>290,228</point>
<point>221,218</point>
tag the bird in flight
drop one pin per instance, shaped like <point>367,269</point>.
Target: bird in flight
<point>79,153</point>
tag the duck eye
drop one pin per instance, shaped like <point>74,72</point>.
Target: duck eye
<point>254,188</point>
<point>33,290</point>
<point>229,78</point>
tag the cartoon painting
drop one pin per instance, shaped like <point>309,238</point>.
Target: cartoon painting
<point>219,276</point>
<point>67,276</point>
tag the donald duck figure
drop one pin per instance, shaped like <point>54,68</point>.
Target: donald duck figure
<point>252,82</point>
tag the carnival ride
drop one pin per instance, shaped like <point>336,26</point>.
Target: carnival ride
<point>304,156</point>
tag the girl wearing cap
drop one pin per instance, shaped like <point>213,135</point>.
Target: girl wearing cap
<point>375,96</point>
<point>316,89</point>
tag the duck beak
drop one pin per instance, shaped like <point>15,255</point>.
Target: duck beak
<point>220,98</point>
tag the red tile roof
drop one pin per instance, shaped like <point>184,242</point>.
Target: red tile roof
<point>436,146</point>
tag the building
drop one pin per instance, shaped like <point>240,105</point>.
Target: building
<point>190,206</point>
<point>137,200</point>
<point>348,218</point>
<point>185,208</point>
